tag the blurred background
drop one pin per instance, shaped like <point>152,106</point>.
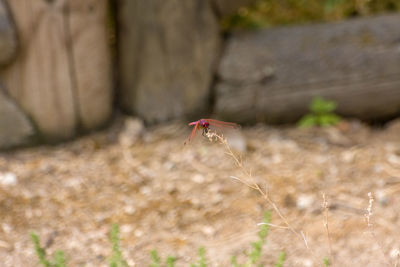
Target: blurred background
<point>95,98</point>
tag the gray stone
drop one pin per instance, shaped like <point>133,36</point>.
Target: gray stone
<point>15,127</point>
<point>271,75</point>
<point>8,37</point>
<point>167,54</point>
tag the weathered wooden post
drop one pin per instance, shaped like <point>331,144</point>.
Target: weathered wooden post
<point>61,76</point>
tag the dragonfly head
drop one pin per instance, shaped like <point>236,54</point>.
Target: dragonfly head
<point>204,124</point>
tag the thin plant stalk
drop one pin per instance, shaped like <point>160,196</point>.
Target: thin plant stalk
<point>214,136</point>
<point>368,218</point>
<point>326,224</point>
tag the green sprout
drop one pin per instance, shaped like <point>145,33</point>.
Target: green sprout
<point>321,114</point>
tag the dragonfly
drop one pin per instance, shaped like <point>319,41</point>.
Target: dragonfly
<point>204,124</point>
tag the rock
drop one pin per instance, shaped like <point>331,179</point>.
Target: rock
<point>208,230</point>
<point>198,178</point>
<point>271,75</point>
<point>395,254</point>
<point>132,132</point>
<point>167,54</point>
<point>336,137</point>
<point>15,127</point>
<point>8,179</point>
<point>305,202</point>
<point>348,156</point>
<point>382,197</point>
<point>228,7</point>
<point>8,37</point>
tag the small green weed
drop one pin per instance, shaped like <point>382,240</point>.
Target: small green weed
<point>326,262</point>
<point>58,260</point>
<point>256,252</point>
<point>321,114</point>
<point>116,259</point>
<point>253,257</point>
<point>281,259</point>
<point>202,258</point>
<point>156,260</point>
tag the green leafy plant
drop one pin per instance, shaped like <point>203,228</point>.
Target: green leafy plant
<point>58,260</point>
<point>281,259</point>
<point>156,260</point>
<point>265,13</point>
<point>255,254</point>
<point>202,258</point>
<point>116,259</point>
<point>326,262</point>
<point>321,114</point>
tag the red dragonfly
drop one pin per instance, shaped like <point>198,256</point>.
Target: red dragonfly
<point>205,124</point>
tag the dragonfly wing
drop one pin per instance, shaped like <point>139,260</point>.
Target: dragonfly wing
<point>192,134</point>
<point>223,123</point>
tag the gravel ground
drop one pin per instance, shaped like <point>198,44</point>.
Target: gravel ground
<point>176,198</point>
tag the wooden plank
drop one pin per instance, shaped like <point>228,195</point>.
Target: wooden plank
<point>39,78</point>
<point>271,75</point>
<point>62,76</point>
<point>91,60</point>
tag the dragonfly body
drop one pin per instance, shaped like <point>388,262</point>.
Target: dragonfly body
<point>201,124</point>
<point>204,124</point>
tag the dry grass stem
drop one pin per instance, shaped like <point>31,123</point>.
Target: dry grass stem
<point>212,136</point>
<point>326,224</point>
<point>273,225</point>
<point>368,218</point>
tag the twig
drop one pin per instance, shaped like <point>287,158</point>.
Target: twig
<point>368,218</point>
<point>272,225</point>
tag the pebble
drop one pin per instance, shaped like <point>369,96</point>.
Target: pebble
<point>198,178</point>
<point>347,156</point>
<point>8,179</point>
<point>126,228</point>
<point>6,228</point>
<point>335,137</point>
<point>129,209</point>
<point>393,158</point>
<point>132,131</point>
<point>395,253</point>
<point>304,201</point>
<point>307,263</point>
<point>381,197</point>
<point>138,233</point>
<point>146,190</point>
<point>208,230</point>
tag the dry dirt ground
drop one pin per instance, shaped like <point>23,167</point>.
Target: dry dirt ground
<point>176,198</point>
